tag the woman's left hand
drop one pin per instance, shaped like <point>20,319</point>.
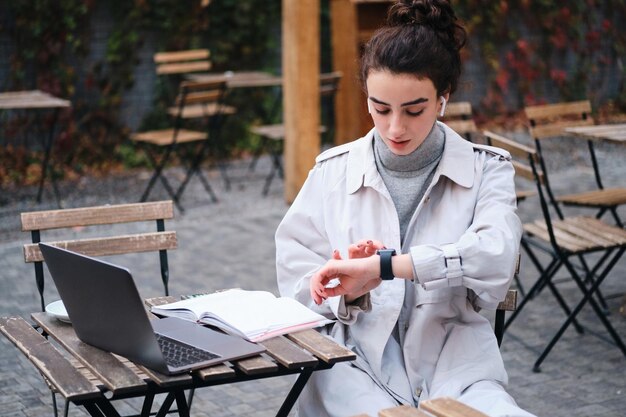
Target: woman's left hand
<point>354,278</point>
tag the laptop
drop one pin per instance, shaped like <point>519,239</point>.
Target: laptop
<point>105,308</point>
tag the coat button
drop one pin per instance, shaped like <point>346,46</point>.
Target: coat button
<point>418,392</point>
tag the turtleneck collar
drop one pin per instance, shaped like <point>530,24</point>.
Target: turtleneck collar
<point>429,151</point>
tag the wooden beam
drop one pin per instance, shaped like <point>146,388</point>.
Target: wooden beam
<point>301,101</point>
<point>349,103</point>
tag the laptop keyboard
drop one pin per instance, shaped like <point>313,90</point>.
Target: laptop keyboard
<point>179,354</point>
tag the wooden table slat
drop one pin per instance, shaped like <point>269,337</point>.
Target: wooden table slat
<point>288,354</point>
<point>215,372</point>
<point>159,378</point>
<point>402,411</point>
<point>324,348</point>
<point>31,99</point>
<point>256,365</point>
<point>449,407</point>
<point>615,133</point>
<point>116,376</point>
<point>65,378</point>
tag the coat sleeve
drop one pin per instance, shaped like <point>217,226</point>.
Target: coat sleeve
<point>483,259</point>
<point>302,246</point>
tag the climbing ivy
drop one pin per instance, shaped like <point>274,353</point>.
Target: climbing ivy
<point>532,51</point>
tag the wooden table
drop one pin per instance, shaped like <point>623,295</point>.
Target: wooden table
<point>34,100</point>
<point>93,378</point>
<point>250,79</point>
<point>614,133</point>
<point>610,133</point>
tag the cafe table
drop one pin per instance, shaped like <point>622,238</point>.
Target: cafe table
<point>608,133</point>
<point>93,379</point>
<point>614,133</point>
<point>37,100</point>
<point>240,79</point>
<point>245,80</point>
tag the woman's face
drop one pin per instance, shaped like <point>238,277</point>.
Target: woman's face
<point>403,108</point>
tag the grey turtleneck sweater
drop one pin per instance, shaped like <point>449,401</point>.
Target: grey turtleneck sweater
<point>407,176</point>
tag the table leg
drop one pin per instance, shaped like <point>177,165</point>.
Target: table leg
<point>167,404</point>
<point>45,164</point>
<point>147,404</point>
<point>101,408</point>
<point>294,393</point>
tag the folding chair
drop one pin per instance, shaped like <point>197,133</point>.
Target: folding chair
<point>173,66</point>
<point>548,121</point>
<point>159,241</point>
<point>565,238</point>
<point>199,101</point>
<point>273,135</point>
<point>459,117</point>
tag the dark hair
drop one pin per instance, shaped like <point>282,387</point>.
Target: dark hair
<point>422,37</point>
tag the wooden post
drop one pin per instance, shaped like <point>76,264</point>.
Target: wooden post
<point>349,103</point>
<point>301,100</point>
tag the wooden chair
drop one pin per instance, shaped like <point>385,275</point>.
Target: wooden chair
<point>508,304</point>
<point>459,117</point>
<point>173,66</point>
<point>273,135</point>
<point>566,239</point>
<point>548,121</point>
<point>182,62</point>
<point>161,240</point>
<point>201,102</point>
<point>158,241</point>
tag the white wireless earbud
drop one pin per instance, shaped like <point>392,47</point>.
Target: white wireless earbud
<point>369,106</point>
<point>443,106</point>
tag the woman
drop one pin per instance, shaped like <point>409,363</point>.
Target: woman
<point>446,206</point>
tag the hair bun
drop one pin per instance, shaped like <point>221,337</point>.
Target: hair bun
<point>436,14</point>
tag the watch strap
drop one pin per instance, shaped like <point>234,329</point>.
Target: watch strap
<point>386,271</point>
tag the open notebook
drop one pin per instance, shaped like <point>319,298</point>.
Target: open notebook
<point>254,315</point>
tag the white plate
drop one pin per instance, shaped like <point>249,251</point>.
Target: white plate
<point>57,309</point>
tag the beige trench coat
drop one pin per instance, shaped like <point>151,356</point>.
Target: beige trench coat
<point>464,239</point>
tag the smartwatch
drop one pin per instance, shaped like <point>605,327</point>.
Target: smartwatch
<point>386,272</point>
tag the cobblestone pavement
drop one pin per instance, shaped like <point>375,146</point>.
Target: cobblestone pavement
<point>230,244</point>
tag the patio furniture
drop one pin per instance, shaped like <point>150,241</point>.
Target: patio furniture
<point>97,378</point>
<point>38,100</point>
<point>272,136</point>
<point>70,219</point>
<point>459,117</point>
<point>172,67</point>
<point>566,239</point>
<point>551,120</point>
<point>196,101</point>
